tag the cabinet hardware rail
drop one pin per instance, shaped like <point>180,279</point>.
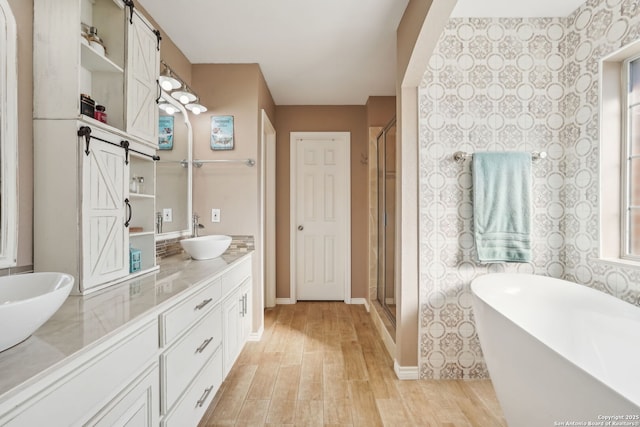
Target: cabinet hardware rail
<point>204,345</point>
<point>204,396</point>
<point>203,303</point>
<point>124,144</point>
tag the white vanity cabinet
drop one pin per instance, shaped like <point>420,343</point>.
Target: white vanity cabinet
<point>86,216</point>
<point>196,338</point>
<point>147,352</point>
<point>237,312</point>
<point>115,383</point>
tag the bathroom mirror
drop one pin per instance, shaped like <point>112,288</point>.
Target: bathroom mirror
<point>173,171</point>
<point>8,138</point>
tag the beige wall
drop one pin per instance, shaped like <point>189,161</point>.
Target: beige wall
<point>23,12</point>
<point>227,89</point>
<point>380,110</point>
<point>323,119</point>
<point>238,90</point>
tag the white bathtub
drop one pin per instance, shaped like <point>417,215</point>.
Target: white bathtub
<point>558,352</point>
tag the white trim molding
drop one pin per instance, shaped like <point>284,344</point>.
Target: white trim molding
<point>8,137</point>
<point>406,372</point>
<point>361,301</point>
<point>256,336</point>
<point>284,301</point>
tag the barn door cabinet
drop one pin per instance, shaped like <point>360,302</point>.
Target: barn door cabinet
<point>87,216</point>
<point>123,79</point>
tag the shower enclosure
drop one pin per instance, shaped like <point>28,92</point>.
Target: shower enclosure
<point>386,167</point>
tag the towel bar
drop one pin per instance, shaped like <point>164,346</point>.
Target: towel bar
<point>461,156</point>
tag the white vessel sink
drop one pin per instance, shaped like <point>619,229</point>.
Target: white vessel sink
<point>206,247</point>
<point>27,301</point>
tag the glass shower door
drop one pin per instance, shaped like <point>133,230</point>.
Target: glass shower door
<point>386,159</point>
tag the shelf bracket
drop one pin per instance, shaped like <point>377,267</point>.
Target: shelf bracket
<point>125,144</point>
<point>86,132</point>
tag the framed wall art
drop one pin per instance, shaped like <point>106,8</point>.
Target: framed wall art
<point>165,132</point>
<point>222,133</point>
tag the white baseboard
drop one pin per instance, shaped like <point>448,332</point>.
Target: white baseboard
<point>284,301</point>
<point>406,372</point>
<point>256,336</point>
<point>361,301</point>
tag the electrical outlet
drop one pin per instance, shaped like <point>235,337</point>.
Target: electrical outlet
<point>167,215</point>
<point>215,215</point>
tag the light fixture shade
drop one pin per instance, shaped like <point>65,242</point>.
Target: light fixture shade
<point>196,107</point>
<point>169,83</point>
<point>184,96</point>
<point>167,108</point>
<point>167,80</point>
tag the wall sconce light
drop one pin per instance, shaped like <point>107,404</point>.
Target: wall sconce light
<point>184,96</point>
<point>167,108</point>
<point>167,80</point>
<point>178,89</point>
<point>195,107</point>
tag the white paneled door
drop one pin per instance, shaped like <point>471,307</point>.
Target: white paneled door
<point>320,216</point>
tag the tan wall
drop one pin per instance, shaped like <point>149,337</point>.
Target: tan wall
<point>23,12</point>
<point>227,89</point>
<point>380,110</point>
<point>323,119</point>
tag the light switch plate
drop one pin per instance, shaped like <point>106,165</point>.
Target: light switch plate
<point>215,215</point>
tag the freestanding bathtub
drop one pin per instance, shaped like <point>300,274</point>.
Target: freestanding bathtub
<point>558,353</point>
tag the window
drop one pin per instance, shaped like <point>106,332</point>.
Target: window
<point>630,184</point>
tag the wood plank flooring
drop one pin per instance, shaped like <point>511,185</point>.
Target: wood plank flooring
<point>323,364</point>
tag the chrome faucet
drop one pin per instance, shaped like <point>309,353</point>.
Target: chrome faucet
<point>196,224</point>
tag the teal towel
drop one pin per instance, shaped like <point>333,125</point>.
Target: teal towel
<point>502,206</point>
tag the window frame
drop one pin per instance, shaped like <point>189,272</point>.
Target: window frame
<point>627,156</point>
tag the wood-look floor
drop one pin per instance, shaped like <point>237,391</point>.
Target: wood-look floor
<point>323,363</point>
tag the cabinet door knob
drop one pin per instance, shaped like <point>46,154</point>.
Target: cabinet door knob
<point>300,227</point>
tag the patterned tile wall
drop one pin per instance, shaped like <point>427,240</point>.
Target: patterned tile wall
<point>512,84</point>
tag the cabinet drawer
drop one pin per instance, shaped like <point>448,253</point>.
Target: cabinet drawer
<point>232,278</point>
<point>136,406</point>
<point>182,361</point>
<point>194,403</point>
<point>178,318</point>
<point>80,393</point>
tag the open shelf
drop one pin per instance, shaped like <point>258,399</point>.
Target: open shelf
<point>94,61</point>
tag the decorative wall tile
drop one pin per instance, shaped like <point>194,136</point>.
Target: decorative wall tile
<point>513,84</point>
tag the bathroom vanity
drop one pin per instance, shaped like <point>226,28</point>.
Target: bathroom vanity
<point>151,351</point>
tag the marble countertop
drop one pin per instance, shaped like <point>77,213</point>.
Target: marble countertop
<point>85,321</point>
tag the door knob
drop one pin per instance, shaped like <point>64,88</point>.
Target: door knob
<point>300,227</point>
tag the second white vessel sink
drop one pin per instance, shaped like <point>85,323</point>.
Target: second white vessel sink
<point>206,247</point>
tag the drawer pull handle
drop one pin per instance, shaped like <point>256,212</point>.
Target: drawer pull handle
<point>203,304</point>
<point>204,396</point>
<point>204,345</point>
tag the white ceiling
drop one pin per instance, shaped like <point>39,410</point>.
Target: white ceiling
<point>329,52</point>
<point>515,8</point>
